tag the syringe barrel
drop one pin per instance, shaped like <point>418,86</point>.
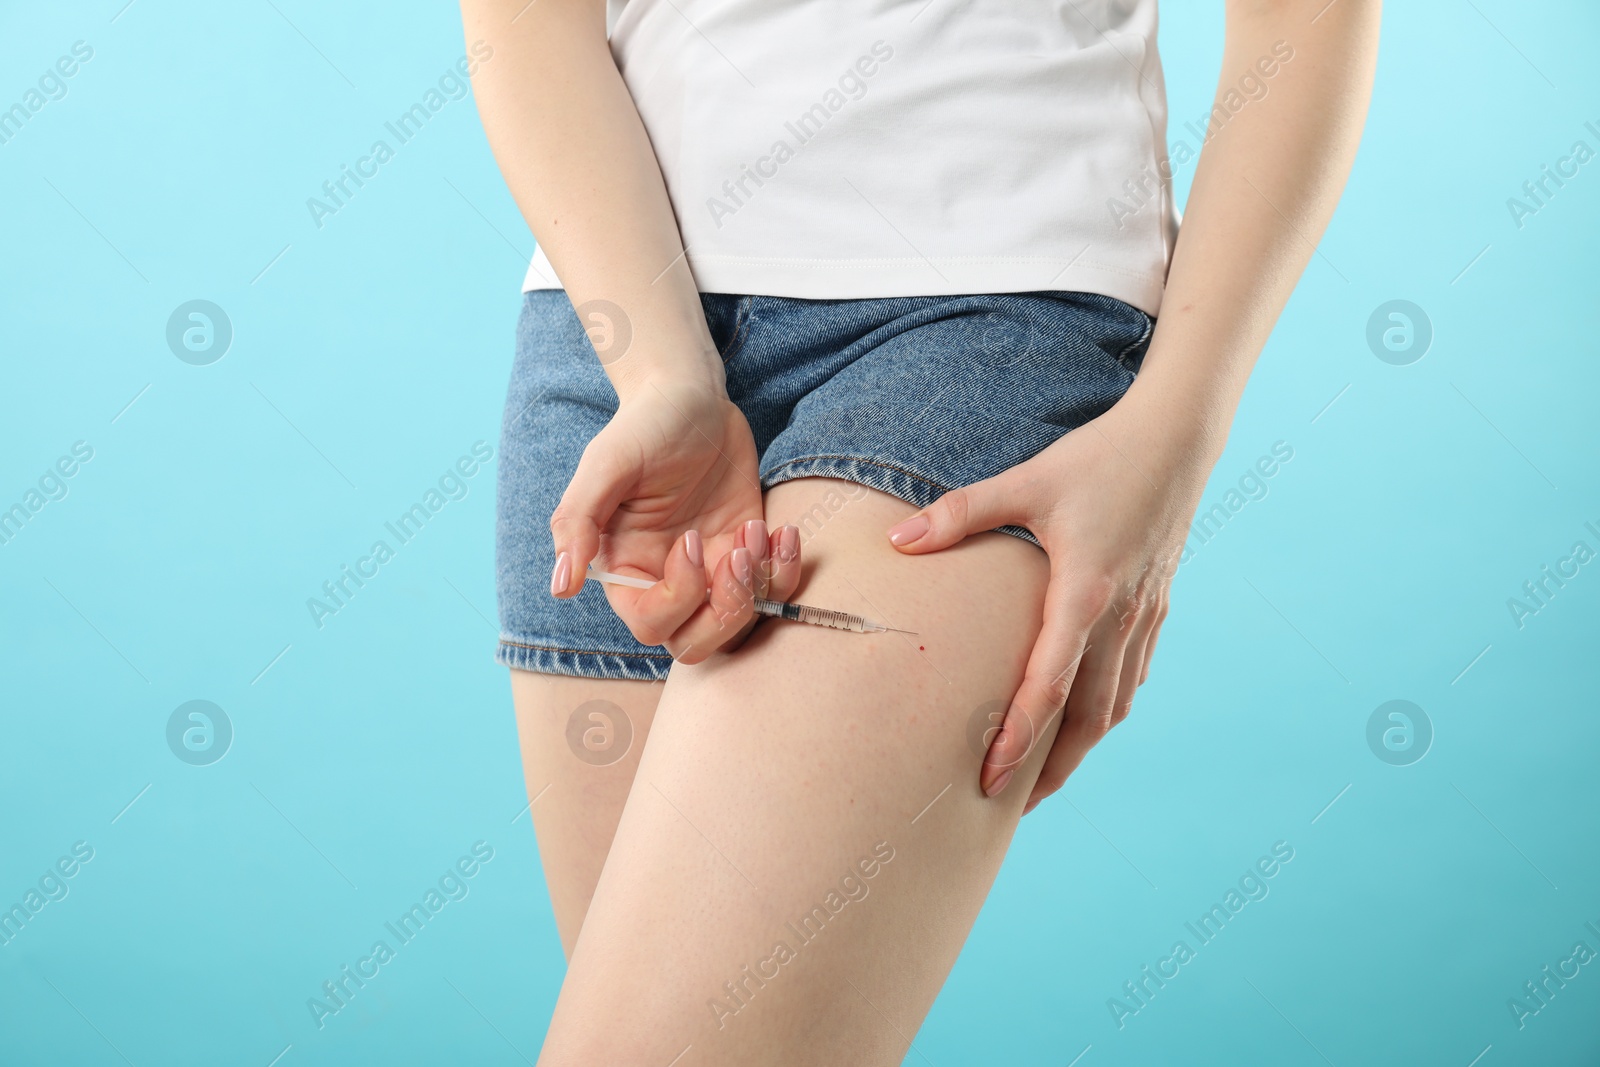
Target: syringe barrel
<point>837,620</point>
<point>823,617</point>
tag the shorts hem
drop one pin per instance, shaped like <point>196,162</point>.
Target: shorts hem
<point>902,484</point>
<point>581,663</point>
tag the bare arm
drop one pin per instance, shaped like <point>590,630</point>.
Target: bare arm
<point>671,481</point>
<point>1263,193</point>
<point>1111,502</point>
<point>576,157</point>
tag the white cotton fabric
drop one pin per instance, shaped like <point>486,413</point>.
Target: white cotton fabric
<point>834,149</point>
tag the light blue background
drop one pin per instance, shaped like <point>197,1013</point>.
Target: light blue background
<point>371,753</point>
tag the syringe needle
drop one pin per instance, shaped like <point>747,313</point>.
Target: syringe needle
<point>880,628</point>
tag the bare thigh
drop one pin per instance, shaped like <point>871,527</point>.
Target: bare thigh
<point>805,846</point>
<point>581,739</point>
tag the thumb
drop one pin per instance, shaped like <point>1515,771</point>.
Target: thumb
<point>598,487</point>
<point>958,514</point>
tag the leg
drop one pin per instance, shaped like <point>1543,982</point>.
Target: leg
<point>805,847</point>
<point>581,740</point>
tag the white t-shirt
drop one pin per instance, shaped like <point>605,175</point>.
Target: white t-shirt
<point>869,148</point>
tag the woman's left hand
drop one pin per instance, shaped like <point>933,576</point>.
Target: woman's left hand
<point>1111,504</point>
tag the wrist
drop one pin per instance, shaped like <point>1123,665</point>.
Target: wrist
<point>679,379</point>
<point>645,343</point>
<point>677,372</point>
<point>1185,428</point>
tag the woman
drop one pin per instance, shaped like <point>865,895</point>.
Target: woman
<point>874,279</point>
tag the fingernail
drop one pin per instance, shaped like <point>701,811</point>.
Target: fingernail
<point>755,538</point>
<point>693,548</point>
<point>741,566</point>
<point>908,531</point>
<point>788,544</point>
<point>997,785</point>
<point>561,575</point>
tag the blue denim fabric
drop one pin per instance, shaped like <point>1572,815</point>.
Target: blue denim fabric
<point>912,396</point>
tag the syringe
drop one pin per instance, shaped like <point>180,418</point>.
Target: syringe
<point>776,609</point>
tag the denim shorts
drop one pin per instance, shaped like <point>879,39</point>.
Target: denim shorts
<point>911,396</point>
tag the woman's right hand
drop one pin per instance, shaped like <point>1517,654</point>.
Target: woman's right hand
<point>670,490</point>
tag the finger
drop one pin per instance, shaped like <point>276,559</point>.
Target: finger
<point>656,613</point>
<point>1088,712</point>
<point>1150,646</point>
<point>723,616</point>
<point>733,598</point>
<point>1133,661</point>
<point>1045,684</point>
<point>753,536</point>
<point>785,563</point>
<point>598,487</point>
<point>1073,742</point>
<point>980,506</point>
<point>1094,690</point>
